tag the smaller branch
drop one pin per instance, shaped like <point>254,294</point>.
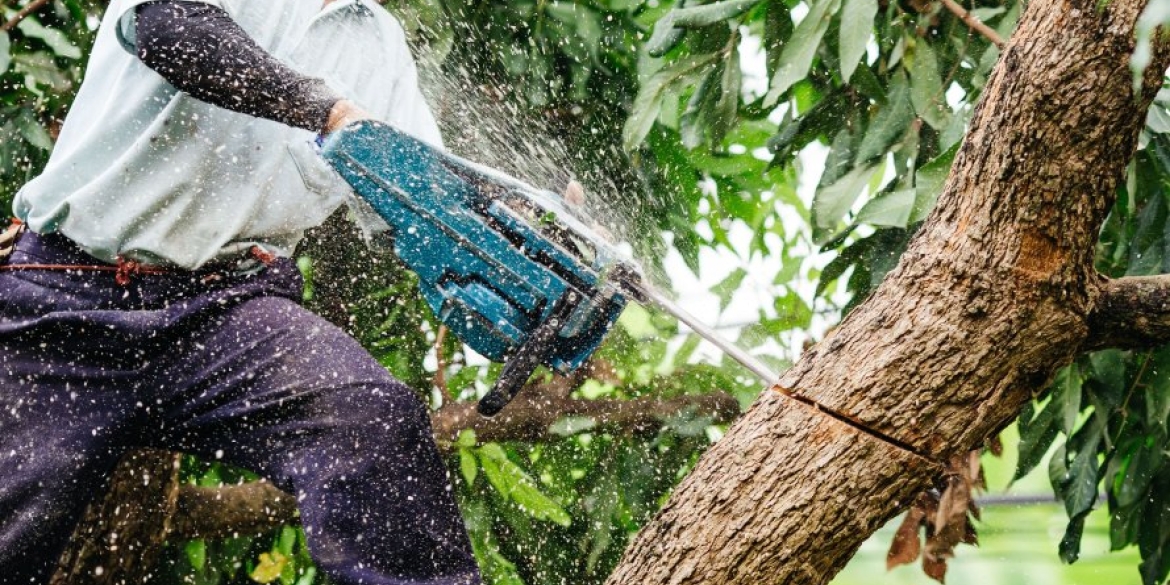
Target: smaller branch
<point>24,13</point>
<point>530,415</point>
<point>974,23</point>
<point>1130,313</point>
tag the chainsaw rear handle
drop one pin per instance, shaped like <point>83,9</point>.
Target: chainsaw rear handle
<point>530,354</point>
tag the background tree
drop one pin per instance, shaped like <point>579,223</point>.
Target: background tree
<point>887,87</point>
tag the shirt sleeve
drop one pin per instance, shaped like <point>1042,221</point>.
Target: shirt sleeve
<point>199,49</point>
<point>127,11</point>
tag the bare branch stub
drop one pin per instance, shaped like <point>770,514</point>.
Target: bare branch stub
<point>1131,313</point>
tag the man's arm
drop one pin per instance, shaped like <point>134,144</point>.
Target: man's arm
<point>200,50</point>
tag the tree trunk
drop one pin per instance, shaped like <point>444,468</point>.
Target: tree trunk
<point>994,294</point>
<point>119,544</point>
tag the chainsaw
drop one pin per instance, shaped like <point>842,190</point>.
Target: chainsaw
<point>507,267</point>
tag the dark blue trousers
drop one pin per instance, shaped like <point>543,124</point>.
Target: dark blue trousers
<point>232,369</point>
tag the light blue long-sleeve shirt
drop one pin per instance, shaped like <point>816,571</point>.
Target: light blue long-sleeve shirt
<point>145,172</point>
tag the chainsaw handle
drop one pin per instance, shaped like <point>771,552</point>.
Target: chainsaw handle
<point>526,358</point>
<point>516,372</point>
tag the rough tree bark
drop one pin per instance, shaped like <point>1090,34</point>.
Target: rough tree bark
<point>115,539</point>
<point>995,293</point>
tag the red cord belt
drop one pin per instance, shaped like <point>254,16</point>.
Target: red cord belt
<point>123,270</point>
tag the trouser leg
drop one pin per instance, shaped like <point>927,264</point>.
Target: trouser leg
<point>64,421</point>
<point>278,390</point>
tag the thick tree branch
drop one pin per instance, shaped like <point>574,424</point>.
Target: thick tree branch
<point>217,512</point>
<point>1131,313</point>
<point>253,508</point>
<point>989,299</point>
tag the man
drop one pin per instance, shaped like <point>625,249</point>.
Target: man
<point>152,301</point>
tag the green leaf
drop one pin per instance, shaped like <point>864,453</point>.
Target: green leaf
<point>985,14</point>
<point>711,111</point>
<point>1108,387</point>
<point>668,31</point>
<point>466,438</point>
<point>1140,463</point>
<point>727,287</point>
<point>309,577</point>
<point>1076,482</point>
<point>1080,489</point>
<point>794,134</point>
<point>789,269</point>
<point>684,353</point>
<point>33,132</point>
<point>839,161</point>
<point>1068,392</point>
<point>891,209</point>
<point>1036,436</point>
<point>38,69</point>
<point>513,483</point>
<point>488,460</point>
<point>777,29</point>
<point>856,30</point>
<point>1158,391</point>
<point>287,541</point>
<point>5,52</point>
<point>890,124</point>
<point>1070,543</point>
<point>196,551</point>
<point>1148,245</point>
<point>831,203</point>
<point>638,322</point>
<point>468,465</point>
<point>798,53</point>
<point>1153,538</point>
<point>792,312</point>
<point>571,425</point>
<point>649,100</point>
<point>1157,120</point>
<point>926,90</point>
<point>56,40</point>
<point>929,180</point>
<point>1124,524</point>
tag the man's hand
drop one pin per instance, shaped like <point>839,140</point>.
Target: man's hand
<point>343,113</point>
<point>574,193</point>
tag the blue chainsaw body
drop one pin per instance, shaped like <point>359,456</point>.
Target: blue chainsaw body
<point>506,266</point>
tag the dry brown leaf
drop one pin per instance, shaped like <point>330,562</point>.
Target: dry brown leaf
<point>995,446</point>
<point>946,515</point>
<point>950,521</point>
<point>970,535</point>
<point>906,546</point>
<point>935,568</point>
